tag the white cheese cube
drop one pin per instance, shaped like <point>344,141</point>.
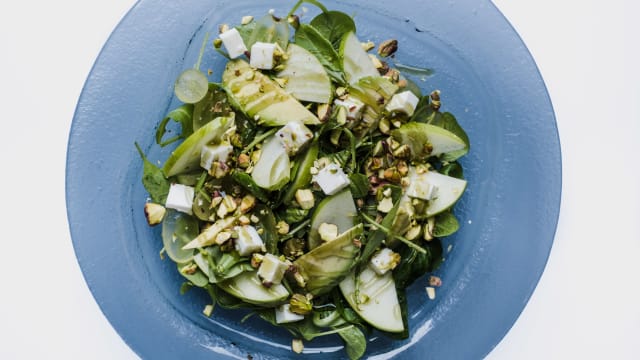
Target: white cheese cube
<point>248,241</point>
<point>354,107</point>
<point>422,190</point>
<point>384,260</point>
<point>211,153</point>
<point>233,43</point>
<point>180,198</point>
<point>405,102</point>
<point>271,269</point>
<point>285,315</point>
<point>331,179</point>
<point>294,136</point>
<point>262,55</point>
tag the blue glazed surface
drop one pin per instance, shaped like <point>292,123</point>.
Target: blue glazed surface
<point>508,213</point>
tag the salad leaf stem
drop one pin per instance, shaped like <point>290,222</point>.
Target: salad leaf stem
<point>406,241</point>
<point>295,230</point>
<point>202,48</point>
<point>312,2</point>
<point>352,145</point>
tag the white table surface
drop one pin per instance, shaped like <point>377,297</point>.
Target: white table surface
<point>587,304</point>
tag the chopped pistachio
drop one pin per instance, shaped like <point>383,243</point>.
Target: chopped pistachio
<point>256,259</point>
<point>247,203</point>
<point>208,309</point>
<point>341,91</point>
<point>189,269</point>
<point>366,46</point>
<point>385,205</point>
<point>323,112</point>
<point>413,233</point>
<point>388,47</point>
<point>246,20</point>
<point>154,213</point>
<point>244,220</point>
<point>300,304</point>
<point>299,279</point>
<point>435,281</point>
<point>305,198</point>
<point>222,237</point>
<point>255,156</point>
<point>282,227</point>
<point>244,161</point>
<point>428,228</point>
<point>254,219</point>
<point>217,43</point>
<point>384,126</point>
<point>328,232</point>
<point>297,346</point>
<point>313,170</point>
<point>402,152</point>
<point>387,192</point>
<point>223,28</point>
<point>215,202</point>
<point>431,292</point>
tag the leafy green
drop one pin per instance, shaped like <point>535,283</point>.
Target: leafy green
<point>153,179</point>
<point>359,184</point>
<point>453,169</point>
<point>197,278</point>
<point>446,224</point>
<point>268,224</point>
<point>246,30</point>
<point>376,237</point>
<point>270,30</point>
<point>302,176</point>
<point>310,39</point>
<point>294,215</point>
<point>213,105</point>
<point>182,115</point>
<point>333,25</point>
<point>224,265</point>
<point>448,122</point>
<point>354,341</point>
<point>246,181</point>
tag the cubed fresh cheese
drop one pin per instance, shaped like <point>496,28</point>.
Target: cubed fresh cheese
<point>405,102</point>
<point>384,260</point>
<point>248,241</point>
<point>180,198</point>
<point>285,315</point>
<point>353,106</point>
<point>233,43</point>
<point>421,190</point>
<point>211,153</point>
<point>271,269</point>
<point>331,179</point>
<point>262,55</point>
<point>294,136</point>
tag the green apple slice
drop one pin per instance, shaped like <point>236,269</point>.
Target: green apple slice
<point>273,170</point>
<point>186,157</point>
<point>448,190</point>
<point>419,135</point>
<point>375,299</point>
<point>338,209</point>
<point>306,78</point>
<point>261,98</point>
<point>248,287</point>
<point>355,61</point>
<point>177,230</point>
<point>303,175</point>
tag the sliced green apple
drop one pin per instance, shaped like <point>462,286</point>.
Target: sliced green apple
<point>273,169</point>
<point>428,140</point>
<point>448,190</point>
<point>186,157</point>
<point>306,78</point>
<point>303,174</point>
<point>374,298</point>
<point>261,98</point>
<point>338,209</point>
<point>355,61</point>
<point>178,229</point>
<point>248,287</point>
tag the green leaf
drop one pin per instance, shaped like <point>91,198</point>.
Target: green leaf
<point>375,238</point>
<point>448,122</point>
<point>246,181</point>
<point>333,25</point>
<point>153,179</point>
<point>294,215</point>
<point>355,342</point>
<point>245,31</point>
<point>213,105</point>
<point>270,30</point>
<point>453,169</point>
<point>268,224</point>
<point>182,115</point>
<point>359,184</point>
<point>446,224</point>
<point>310,39</point>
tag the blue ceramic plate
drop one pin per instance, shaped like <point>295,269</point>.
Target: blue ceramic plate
<point>508,214</point>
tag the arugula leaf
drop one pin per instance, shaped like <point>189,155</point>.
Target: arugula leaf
<point>213,105</point>
<point>310,39</point>
<point>153,179</point>
<point>183,115</point>
<point>333,25</point>
<point>355,342</point>
<point>359,184</point>
<point>446,224</point>
<point>246,181</point>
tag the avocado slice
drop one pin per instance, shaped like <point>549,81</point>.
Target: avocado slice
<point>261,98</point>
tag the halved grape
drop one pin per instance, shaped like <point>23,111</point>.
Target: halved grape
<point>191,86</point>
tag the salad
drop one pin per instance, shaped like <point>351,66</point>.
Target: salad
<point>311,183</point>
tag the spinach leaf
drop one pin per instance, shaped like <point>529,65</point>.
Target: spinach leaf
<point>245,31</point>
<point>153,179</point>
<point>294,215</point>
<point>310,39</point>
<point>424,113</point>
<point>213,105</point>
<point>268,224</point>
<point>246,181</point>
<point>446,224</point>
<point>413,264</point>
<point>354,342</point>
<point>183,115</point>
<point>375,238</point>
<point>359,184</point>
<point>333,25</point>
<point>453,169</point>
<point>448,122</point>
<point>270,30</point>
